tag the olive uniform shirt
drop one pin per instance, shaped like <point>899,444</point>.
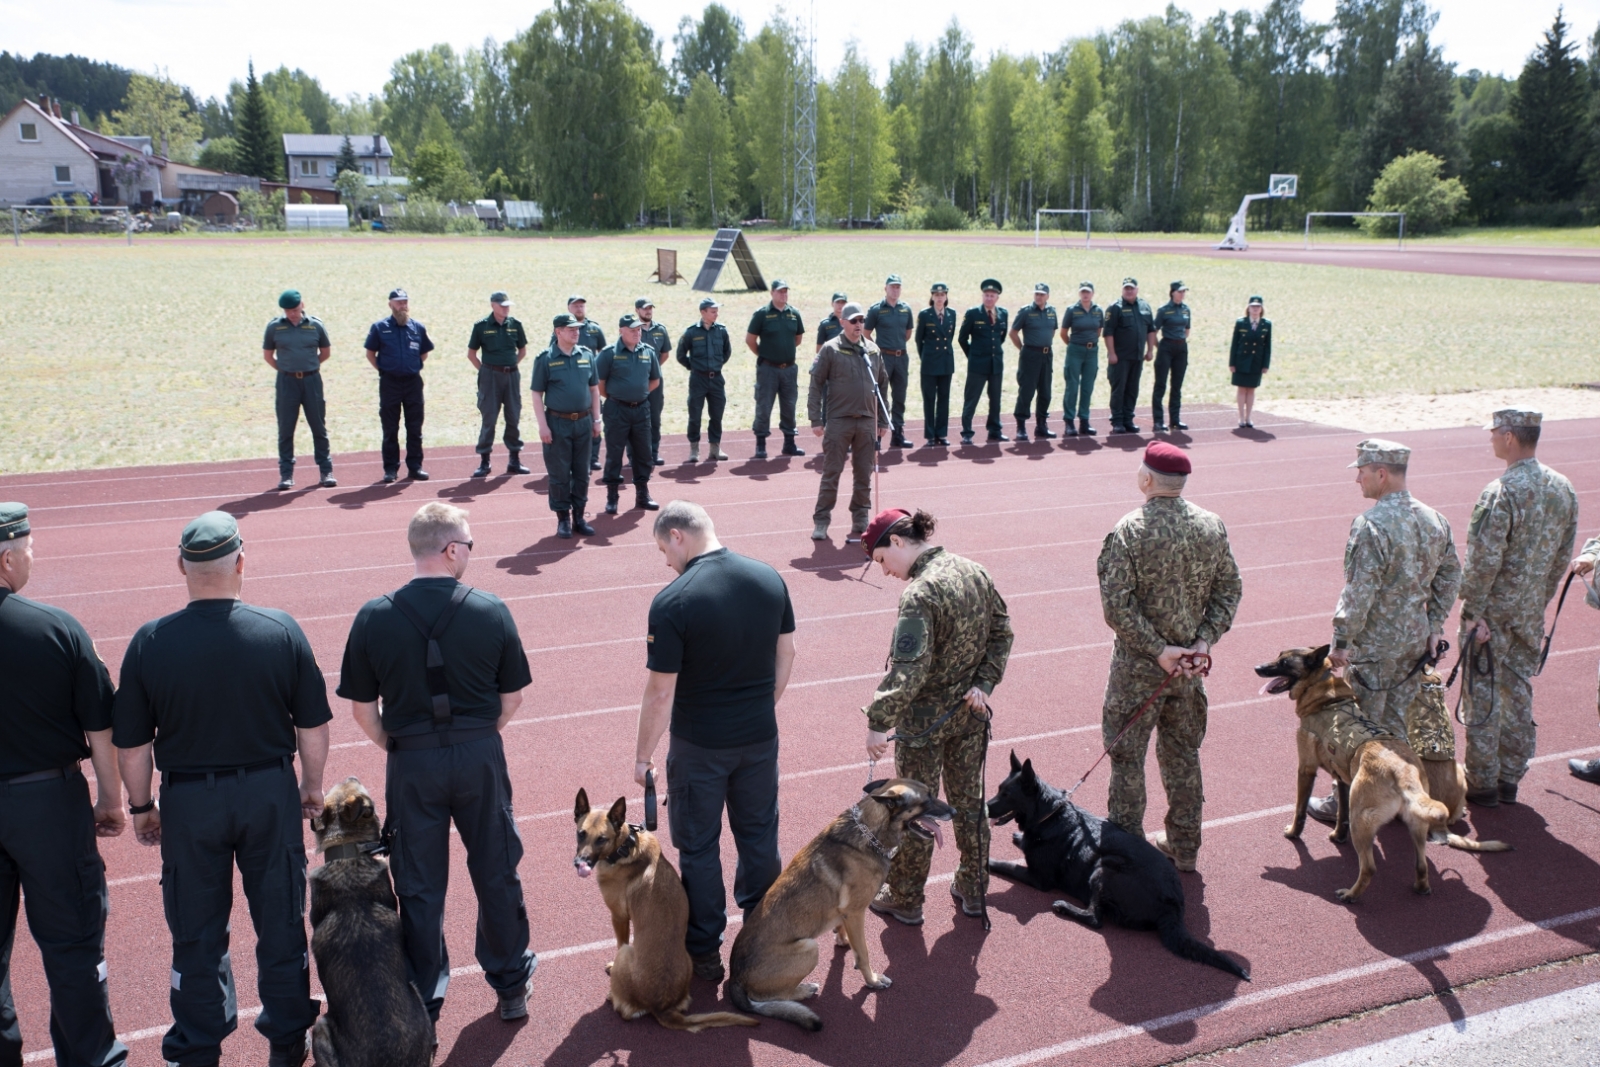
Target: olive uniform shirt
<point>705,349</point>
<point>657,337</point>
<point>564,379</point>
<point>828,329</point>
<point>890,324</point>
<point>1172,321</point>
<point>777,334</point>
<point>628,372</point>
<point>1083,326</point>
<point>497,342</point>
<point>1037,325</point>
<point>53,687</point>
<point>935,334</point>
<point>296,347</point>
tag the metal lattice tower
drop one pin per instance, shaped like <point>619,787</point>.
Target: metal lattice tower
<point>805,126</point>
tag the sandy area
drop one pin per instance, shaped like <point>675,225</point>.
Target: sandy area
<point>1377,414</point>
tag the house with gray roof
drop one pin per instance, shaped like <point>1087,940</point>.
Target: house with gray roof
<point>310,159</point>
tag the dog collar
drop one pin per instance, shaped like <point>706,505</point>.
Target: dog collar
<point>872,839</point>
<point>351,851</point>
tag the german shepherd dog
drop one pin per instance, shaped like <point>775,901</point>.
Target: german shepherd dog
<point>827,887</point>
<point>1121,876</point>
<point>1379,776</point>
<point>375,1018</point>
<point>651,970</point>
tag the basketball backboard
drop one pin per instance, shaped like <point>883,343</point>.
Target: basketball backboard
<point>1283,185</point>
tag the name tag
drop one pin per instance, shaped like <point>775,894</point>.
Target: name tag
<point>415,345</point>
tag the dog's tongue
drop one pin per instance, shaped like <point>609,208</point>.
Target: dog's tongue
<point>584,870</point>
<point>938,834</point>
<point>1266,687</point>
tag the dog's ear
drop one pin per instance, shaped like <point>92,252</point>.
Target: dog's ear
<point>1028,772</point>
<point>351,809</point>
<point>318,824</point>
<point>874,786</point>
<point>580,807</point>
<point>1319,656</point>
<point>1015,766</point>
<point>618,815</point>
<point>367,810</point>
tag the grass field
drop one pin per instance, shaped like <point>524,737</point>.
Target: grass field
<point>114,355</point>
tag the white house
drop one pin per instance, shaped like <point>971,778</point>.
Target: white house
<point>311,159</point>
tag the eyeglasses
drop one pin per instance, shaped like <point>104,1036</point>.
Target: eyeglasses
<point>447,545</point>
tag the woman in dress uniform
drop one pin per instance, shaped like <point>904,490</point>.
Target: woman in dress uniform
<point>1250,357</point>
<point>936,328</point>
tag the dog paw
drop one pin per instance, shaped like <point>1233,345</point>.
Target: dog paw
<point>1422,889</point>
<point>1016,838</point>
<point>609,965</point>
<point>1292,831</point>
<point>1339,837</point>
<point>839,940</point>
<point>883,982</point>
<point>1345,895</point>
<point>807,990</point>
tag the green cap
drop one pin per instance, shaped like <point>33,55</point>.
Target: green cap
<point>1504,419</point>
<point>707,302</point>
<point>1177,287</point>
<point>211,536</point>
<point>289,299</point>
<point>778,283</point>
<point>564,319</point>
<point>1377,450</point>
<point>990,285</point>
<point>1130,281</point>
<point>498,297</point>
<point>1256,300</point>
<point>894,279</point>
<point>642,303</point>
<point>939,287</point>
<point>630,321</point>
<point>576,298</point>
<point>838,297</point>
<point>14,521</point>
<point>1086,287</point>
<point>1042,287</point>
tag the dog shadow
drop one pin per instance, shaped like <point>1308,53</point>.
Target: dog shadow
<point>1021,902</point>
<point>484,1040</point>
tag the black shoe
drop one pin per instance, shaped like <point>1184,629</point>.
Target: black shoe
<point>1130,427</point>
<point>514,465</point>
<point>1022,433</point>
<point>1323,809</point>
<point>1117,429</point>
<point>657,461</point>
<point>942,442</point>
<point>563,525</point>
<point>1085,429</point>
<point>1484,798</point>
<point>901,441</point>
<point>285,483</point>
<point>594,464</point>
<point>998,438</point>
<point>708,966</point>
<point>1159,427</point>
<point>389,476</point>
<point>966,438</point>
<point>1508,792</point>
<point>291,1053</point>
<point>642,499</point>
<point>483,467</point>
<point>1587,770</point>
<point>611,500</point>
<point>761,448</point>
<point>581,525</point>
<point>790,448</point>
<point>1176,425</point>
<point>513,1005</point>
<point>1044,434</point>
<point>1071,429</point>
<point>418,475</point>
<point>329,481</point>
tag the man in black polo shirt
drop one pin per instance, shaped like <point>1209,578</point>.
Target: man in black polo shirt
<point>629,374</point>
<point>441,729</point>
<point>1130,343</point>
<point>719,649</point>
<point>55,710</point>
<point>774,334</point>
<point>228,693</point>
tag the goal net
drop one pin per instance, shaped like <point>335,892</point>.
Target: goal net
<point>1353,230</point>
<point>1068,220</point>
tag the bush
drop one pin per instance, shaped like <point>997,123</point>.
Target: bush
<point>1411,183</point>
<point>941,216</point>
<point>423,214</point>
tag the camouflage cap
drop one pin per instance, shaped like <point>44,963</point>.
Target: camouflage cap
<point>563,320</point>
<point>1377,450</point>
<point>14,521</point>
<point>852,311</point>
<point>210,536</point>
<point>630,321</point>
<point>1506,418</point>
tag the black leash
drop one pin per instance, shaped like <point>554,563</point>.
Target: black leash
<point>1479,661</point>
<point>1427,660</point>
<point>650,801</point>
<point>1551,636</point>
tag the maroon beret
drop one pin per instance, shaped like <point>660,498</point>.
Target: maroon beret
<point>1167,458</point>
<point>878,531</point>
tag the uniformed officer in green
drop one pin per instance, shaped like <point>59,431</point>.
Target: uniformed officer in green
<point>659,338</point>
<point>830,327</point>
<point>1032,332</point>
<point>503,344</point>
<point>220,696</point>
<point>1172,357</point>
<point>628,372</point>
<point>703,350</point>
<point>890,323</point>
<point>1130,344</point>
<point>55,711</point>
<point>296,346</point>
<point>1249,358</point>
<point>935,337</point>
<point>773,335</point>
<point>983,339</point>
<point>1081,324</point>
<point>593,338</point>
<point>566,399</point>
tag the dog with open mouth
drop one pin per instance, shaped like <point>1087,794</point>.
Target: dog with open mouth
<point>826,888</point>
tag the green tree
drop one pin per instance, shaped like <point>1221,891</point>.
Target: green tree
<point>706,154</point>
<point>1000,87</point>
<point>763,119</point>
<point>155,108</point>
<point>1491,172</point>
<point>439,171</point>
<point>708,47</point>
<point>220,153</point>
<point>435,78</point>
<point>1414,111</point>
<point>302,103</point>
<point>946,113</point>
<point>1550,110</point>
<point>1037,120</point>
<point>900,98</point>
<point>259,155</point>
<point>490,141</point>
<point>857,173</point>
<point>1413,184</point>
<point>663,172</point>
<point>1086,131</point>
<point>347,158</point>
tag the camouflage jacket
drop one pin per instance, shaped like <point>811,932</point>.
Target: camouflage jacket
<point>953,634</point>
<point>1518,546</point>
<point>1400,578</point>
<point>1167,577</point>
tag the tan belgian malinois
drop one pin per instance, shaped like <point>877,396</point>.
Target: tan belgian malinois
<point>651,971</point>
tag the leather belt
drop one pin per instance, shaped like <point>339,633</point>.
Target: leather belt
<point>570,416</point>
<point>300,373</point>
<point>1037,348</point>
<point>710,373</point>
<point>503,370</point>
<point>440,738</point>
<point>892,351</point>
<point>628,403</point>
<point>39,776</point>
<point>178,777</point>
<point>779,366</point>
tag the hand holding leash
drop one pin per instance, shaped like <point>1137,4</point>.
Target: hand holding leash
<point>1188,664</point>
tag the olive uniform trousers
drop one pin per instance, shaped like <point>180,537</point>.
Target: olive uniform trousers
<point>293,395</point>
<point>566,458</point>
<point>957,761</point>
<point>858,438</point>
<point>1178,718</point>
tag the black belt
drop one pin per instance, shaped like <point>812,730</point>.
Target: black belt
<point>570,416</point>
<point>503,370</point>
<point>892,351</point>
<point>710,373</point>
<point>178,777</point>
<point>628,403</point>
<point>299,373</point>
<point>440,738</point>
<point>1184,341</point>
<point>1037,348</point>
<point>781,366</point>
<point>40,776</point>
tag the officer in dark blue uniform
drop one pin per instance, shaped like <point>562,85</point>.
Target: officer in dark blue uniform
<point>397,347</point>
<point>296,345</point>
<point>889,324</point>
<point>55,710</point>
<point>983,339</point>
<point>659,338</point>
<point>936,357</point>
<point>441,729</point>
<point>566,399</point>
<point>227,693</point>
<point>1032,331</point>
<point>1172,322</point>
<point>703,350</point>
<point>628,374</point>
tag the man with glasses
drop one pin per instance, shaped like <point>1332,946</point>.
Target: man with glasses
<point>441,728</point>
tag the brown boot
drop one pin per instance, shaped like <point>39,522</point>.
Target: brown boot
<point>1160,841</point>
<point>884,904</point>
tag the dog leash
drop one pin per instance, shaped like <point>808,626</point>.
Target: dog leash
<point>1198,662</point>
<point>650,801</point>
<point>1551,636</point>
<point>986,716</point>
<point>1479,661</point>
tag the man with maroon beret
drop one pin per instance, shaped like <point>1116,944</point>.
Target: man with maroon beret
<point>1169,588</point>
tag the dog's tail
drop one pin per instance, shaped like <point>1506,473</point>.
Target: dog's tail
<point>1422,807</point>
<point>1175,937</point>
<point>677,1020</point>
<point>790,1011</point>
<point>1467,844</point>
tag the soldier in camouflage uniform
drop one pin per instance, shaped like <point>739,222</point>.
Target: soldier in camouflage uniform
<point>1400,573</point>
<point>1169,588</point>
<point>1583,566</point>
<point>1518,544</point>
<point>948,653</point>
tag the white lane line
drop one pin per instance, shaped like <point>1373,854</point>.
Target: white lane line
<point>1449,1039</point>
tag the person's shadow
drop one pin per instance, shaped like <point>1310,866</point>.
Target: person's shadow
<point>988,452</point>
<point>1546,877</point>
<point>271,500</point>
<point>375,493</point>
<point>833,563</point>
<point>542,553</point>
<point>470,489</point>
<point>928,455</point>
<point>484,1040</point>
<point>1250,433</point>
<point>1033,448</point>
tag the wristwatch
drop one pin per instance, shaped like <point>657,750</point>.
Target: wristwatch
<point>140,809</point>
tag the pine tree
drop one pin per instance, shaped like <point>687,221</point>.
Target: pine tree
<point>257,155</point>
<point>1414,112</point>
<point>347,158</point>
<point>1551,111</point>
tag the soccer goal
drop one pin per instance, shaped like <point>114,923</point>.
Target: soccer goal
<point>1088,214</point>
<point>64,216</point>
<point>1401,215</point>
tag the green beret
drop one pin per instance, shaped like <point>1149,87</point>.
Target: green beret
<point>211,536</point>
<point>1506,418</point>
<point>1377,450</point>
<point>990,285</point>
<point>629,321</point>
<point>289,299</point>
<point>14,521</point>
<point>564,320</point>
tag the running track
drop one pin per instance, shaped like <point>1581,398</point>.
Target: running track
<point>1035,990</point>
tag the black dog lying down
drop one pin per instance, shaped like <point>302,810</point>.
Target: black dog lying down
<point>1122,877</point>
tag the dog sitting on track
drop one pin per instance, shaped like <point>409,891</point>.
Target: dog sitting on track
<point>1379,776</point>
<point>651,971</point>
<point>1121,876</point>
<point>375,1018</point>
<point>827,887</point>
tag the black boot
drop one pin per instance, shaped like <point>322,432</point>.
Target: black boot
<point>1085,429</point>
<point>1022,431</point>
<point>1043,432</point>
<point>611,500</point>
<point>563,524</point>
<point>1071,429</point>
<point>790,448</point>
<point>483,467</point>
<point>514,464</point>
<point>761,448</point>
<point>643,500</point>
<point>579,524</point>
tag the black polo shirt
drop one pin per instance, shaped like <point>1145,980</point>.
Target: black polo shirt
<point>219,685</point>
<point>777,333</point>
<point>717,629</point>
<point>53,687</point>
<point>386,656</point>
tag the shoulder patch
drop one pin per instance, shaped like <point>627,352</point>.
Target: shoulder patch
<point>910,641</point>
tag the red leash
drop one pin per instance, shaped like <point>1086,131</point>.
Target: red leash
<point>1198,662</point>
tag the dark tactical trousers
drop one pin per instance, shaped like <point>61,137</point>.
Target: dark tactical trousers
<point>47,850</point>
<point>293,396</point>
<point>782,383</point>
<point>899,370</point>
<point>499,388</point>
<point>397,392</point>
<point>627,430</point>
<point>566,459</point>
<point>658,403</point>
<point>1083,367</point>
<point>425,790</point>
<point>700,783</point>
<point>1172,357</point>
<point>936,406</point>
<point>1124,376</point>
<point>1034,371</point>
<point>979,382</point>
<point>206,827</point>
<point>706,391</point>
<point>958,761</point>
<point>1178,718</point>
<point>858,439</point>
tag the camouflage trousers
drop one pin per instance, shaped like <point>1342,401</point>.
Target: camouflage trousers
<point>1178,718</point>
<point>1385,706</point>
<point>958,760</point>
<point>1498,750</point>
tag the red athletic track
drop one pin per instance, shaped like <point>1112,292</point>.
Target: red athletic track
<point>1037,988</point>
